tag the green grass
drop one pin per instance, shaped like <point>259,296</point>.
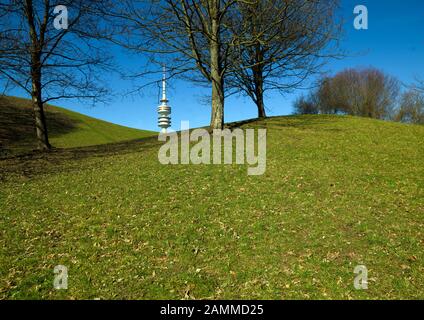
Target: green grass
<point>66,128</point>
<point>337,192</point>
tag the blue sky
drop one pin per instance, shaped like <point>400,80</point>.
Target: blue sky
<point>394,42</point>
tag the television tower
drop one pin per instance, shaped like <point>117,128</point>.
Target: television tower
<point>164,110</point>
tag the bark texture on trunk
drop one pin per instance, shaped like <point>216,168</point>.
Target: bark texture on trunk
<point>37,102</point>
<point>39,117</point>
<point>261,108</point>
<point>258,79</point>
<point>217,117</point>
<point>259,95</point>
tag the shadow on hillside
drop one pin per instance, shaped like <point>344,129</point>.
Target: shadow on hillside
<point>293,121</point>
<point>17,124</point>
<point>34,163</point>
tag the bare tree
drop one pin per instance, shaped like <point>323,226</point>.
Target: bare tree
<point>187,35</point>
<point>7,86</point>
<point>280,44</point>
<point>51,57</point>
<point>305,105</point>
<point>411,108</point>
<point>364,92</point>
<point>418,85</point>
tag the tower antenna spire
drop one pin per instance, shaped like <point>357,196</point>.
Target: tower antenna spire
<point>164,84</point>
<point>164,110</point>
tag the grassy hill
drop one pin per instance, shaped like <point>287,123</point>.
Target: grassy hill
<point>338,192</point>
<point>66,128</point>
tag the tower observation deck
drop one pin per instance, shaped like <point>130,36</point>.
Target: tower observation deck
<point>164,110</point>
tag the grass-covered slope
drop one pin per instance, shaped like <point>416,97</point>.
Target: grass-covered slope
<point>338,192</point>
<point>66,128</point>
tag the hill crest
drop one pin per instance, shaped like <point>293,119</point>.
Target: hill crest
<point>66,128</point>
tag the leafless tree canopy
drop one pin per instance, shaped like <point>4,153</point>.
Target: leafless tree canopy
<point>305,105</point>
<point>411,108</point>
<point>360,92</point>
<point>191,37</point>
<point>48,63</point>
<point>233,45</point>
<point>280,44</point>
<point>418,85</point>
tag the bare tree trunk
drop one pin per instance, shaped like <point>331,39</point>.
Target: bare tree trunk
<point>258,79</point>
<point>259,90</point>
<point>261,106</point>
<point>37,102</point>
<point>39,117</point>
<point>217,118</point>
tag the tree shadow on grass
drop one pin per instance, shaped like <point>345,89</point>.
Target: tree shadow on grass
<point>17,130</point>
<point>18,142</point>
<point>292,121</point>
<point>36,163</point>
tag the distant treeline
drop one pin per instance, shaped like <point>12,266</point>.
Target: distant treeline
<point>367,93</point>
